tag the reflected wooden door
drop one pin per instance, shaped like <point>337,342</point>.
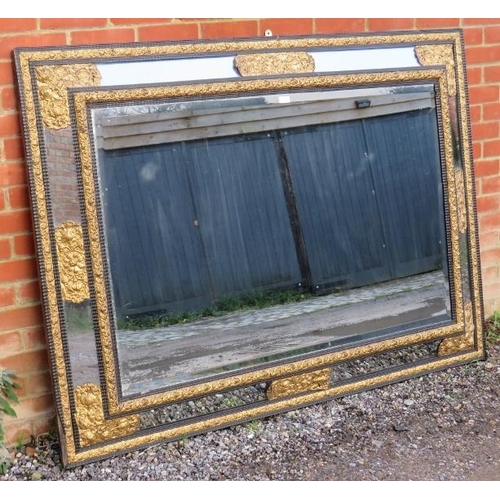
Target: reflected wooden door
<point>367,210</point>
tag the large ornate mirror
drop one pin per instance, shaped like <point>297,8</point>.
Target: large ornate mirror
<point>231,229</point>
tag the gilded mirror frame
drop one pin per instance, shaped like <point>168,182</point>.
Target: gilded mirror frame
<point>59,86</point>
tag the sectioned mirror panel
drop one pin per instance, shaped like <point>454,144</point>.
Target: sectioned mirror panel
<point>233,230</point>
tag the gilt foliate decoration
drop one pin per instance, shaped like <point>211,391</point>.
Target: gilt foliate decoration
<point>53,84</point>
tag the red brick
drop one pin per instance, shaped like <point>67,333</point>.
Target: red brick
<point>477,149</point>
<point>491,111</point>
<point>485,130</point>
<point>230,29</point>
<point>193,19</point>
<point>21,381</point>
<point>491,148</point>
<point>25,362</point>
<point>481,21</point>
<point>475,113</point>
<point>29,291</point>
<point>103,36</point>
<point>490,185</point>
<point>10,342</point>
<point>13,149</point>
<point>12,174</point>
<point>38,404</point>
<point>63,23</point>
<point>287,26</point>
<point>7,296</point>
<point>14,222</point>
<point>31,40</point>
<point>19,197</point>
<point>39,383</point>
<point>141,21</point>
<point>21,24</point>
<point>44,424</point>
<point>4,249</point>
<point>9,124</point>
<point>490,222</point>
<point>2,200</point>
<point>18,430</point>
<point>9,98</point>
<point>474,75</point>
<point>34,337</point>
<point>483,54</point>
<point>168,32</point>
<point>17,270</point>
<point>343,25</point>
<point>483,93</point>
<point>491,290</point>
<point>20,318</point>
<point>473,36</point>
<point>24,244</point>
<point>490,305</point>
<point>492,74</point>
<point>487,203</point>
<point>437,22</point>
<point>492,34</point>
<point>486,167</point>
<point>490,257</point>
<point>6,73</point>
<point>390,24</point>
<point>490,274</point>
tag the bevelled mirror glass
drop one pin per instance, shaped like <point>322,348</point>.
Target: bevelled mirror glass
<point>230,229</point>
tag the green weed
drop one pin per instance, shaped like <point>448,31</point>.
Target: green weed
<point>493,329</point>
<point>253,426</point>
<point>230,402</point>
<point>8,385</point>
<point>224,305</point>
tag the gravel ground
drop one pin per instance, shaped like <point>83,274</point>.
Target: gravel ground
<point>444,426</point>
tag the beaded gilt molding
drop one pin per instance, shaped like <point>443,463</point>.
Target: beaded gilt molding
<point>57,88</point>
<point>83,99</point>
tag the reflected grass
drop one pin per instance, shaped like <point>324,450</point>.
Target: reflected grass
<point>223,306</point>
<point>78,318</point>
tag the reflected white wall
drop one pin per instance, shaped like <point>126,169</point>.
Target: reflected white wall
<point>208,68</point>
<point>173,70</point>
<point>366,59</point>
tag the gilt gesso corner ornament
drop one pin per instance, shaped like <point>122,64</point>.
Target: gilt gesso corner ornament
<point>202,275</point>
<point>53,83</point>
<point>462,342</point>
<point>429,55</point>
<point>92,425</point>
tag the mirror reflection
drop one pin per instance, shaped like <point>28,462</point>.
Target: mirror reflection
<point>208,68</point>
<point>246,230</point>
<point>63,184</point>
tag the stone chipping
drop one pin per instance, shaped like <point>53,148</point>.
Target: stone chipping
<point>442,426</point>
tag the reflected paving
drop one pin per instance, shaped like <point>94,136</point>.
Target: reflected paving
<point>158,358</point>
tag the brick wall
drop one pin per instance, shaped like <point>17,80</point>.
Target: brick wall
<point>22,343</point>
<point>62,175</point>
